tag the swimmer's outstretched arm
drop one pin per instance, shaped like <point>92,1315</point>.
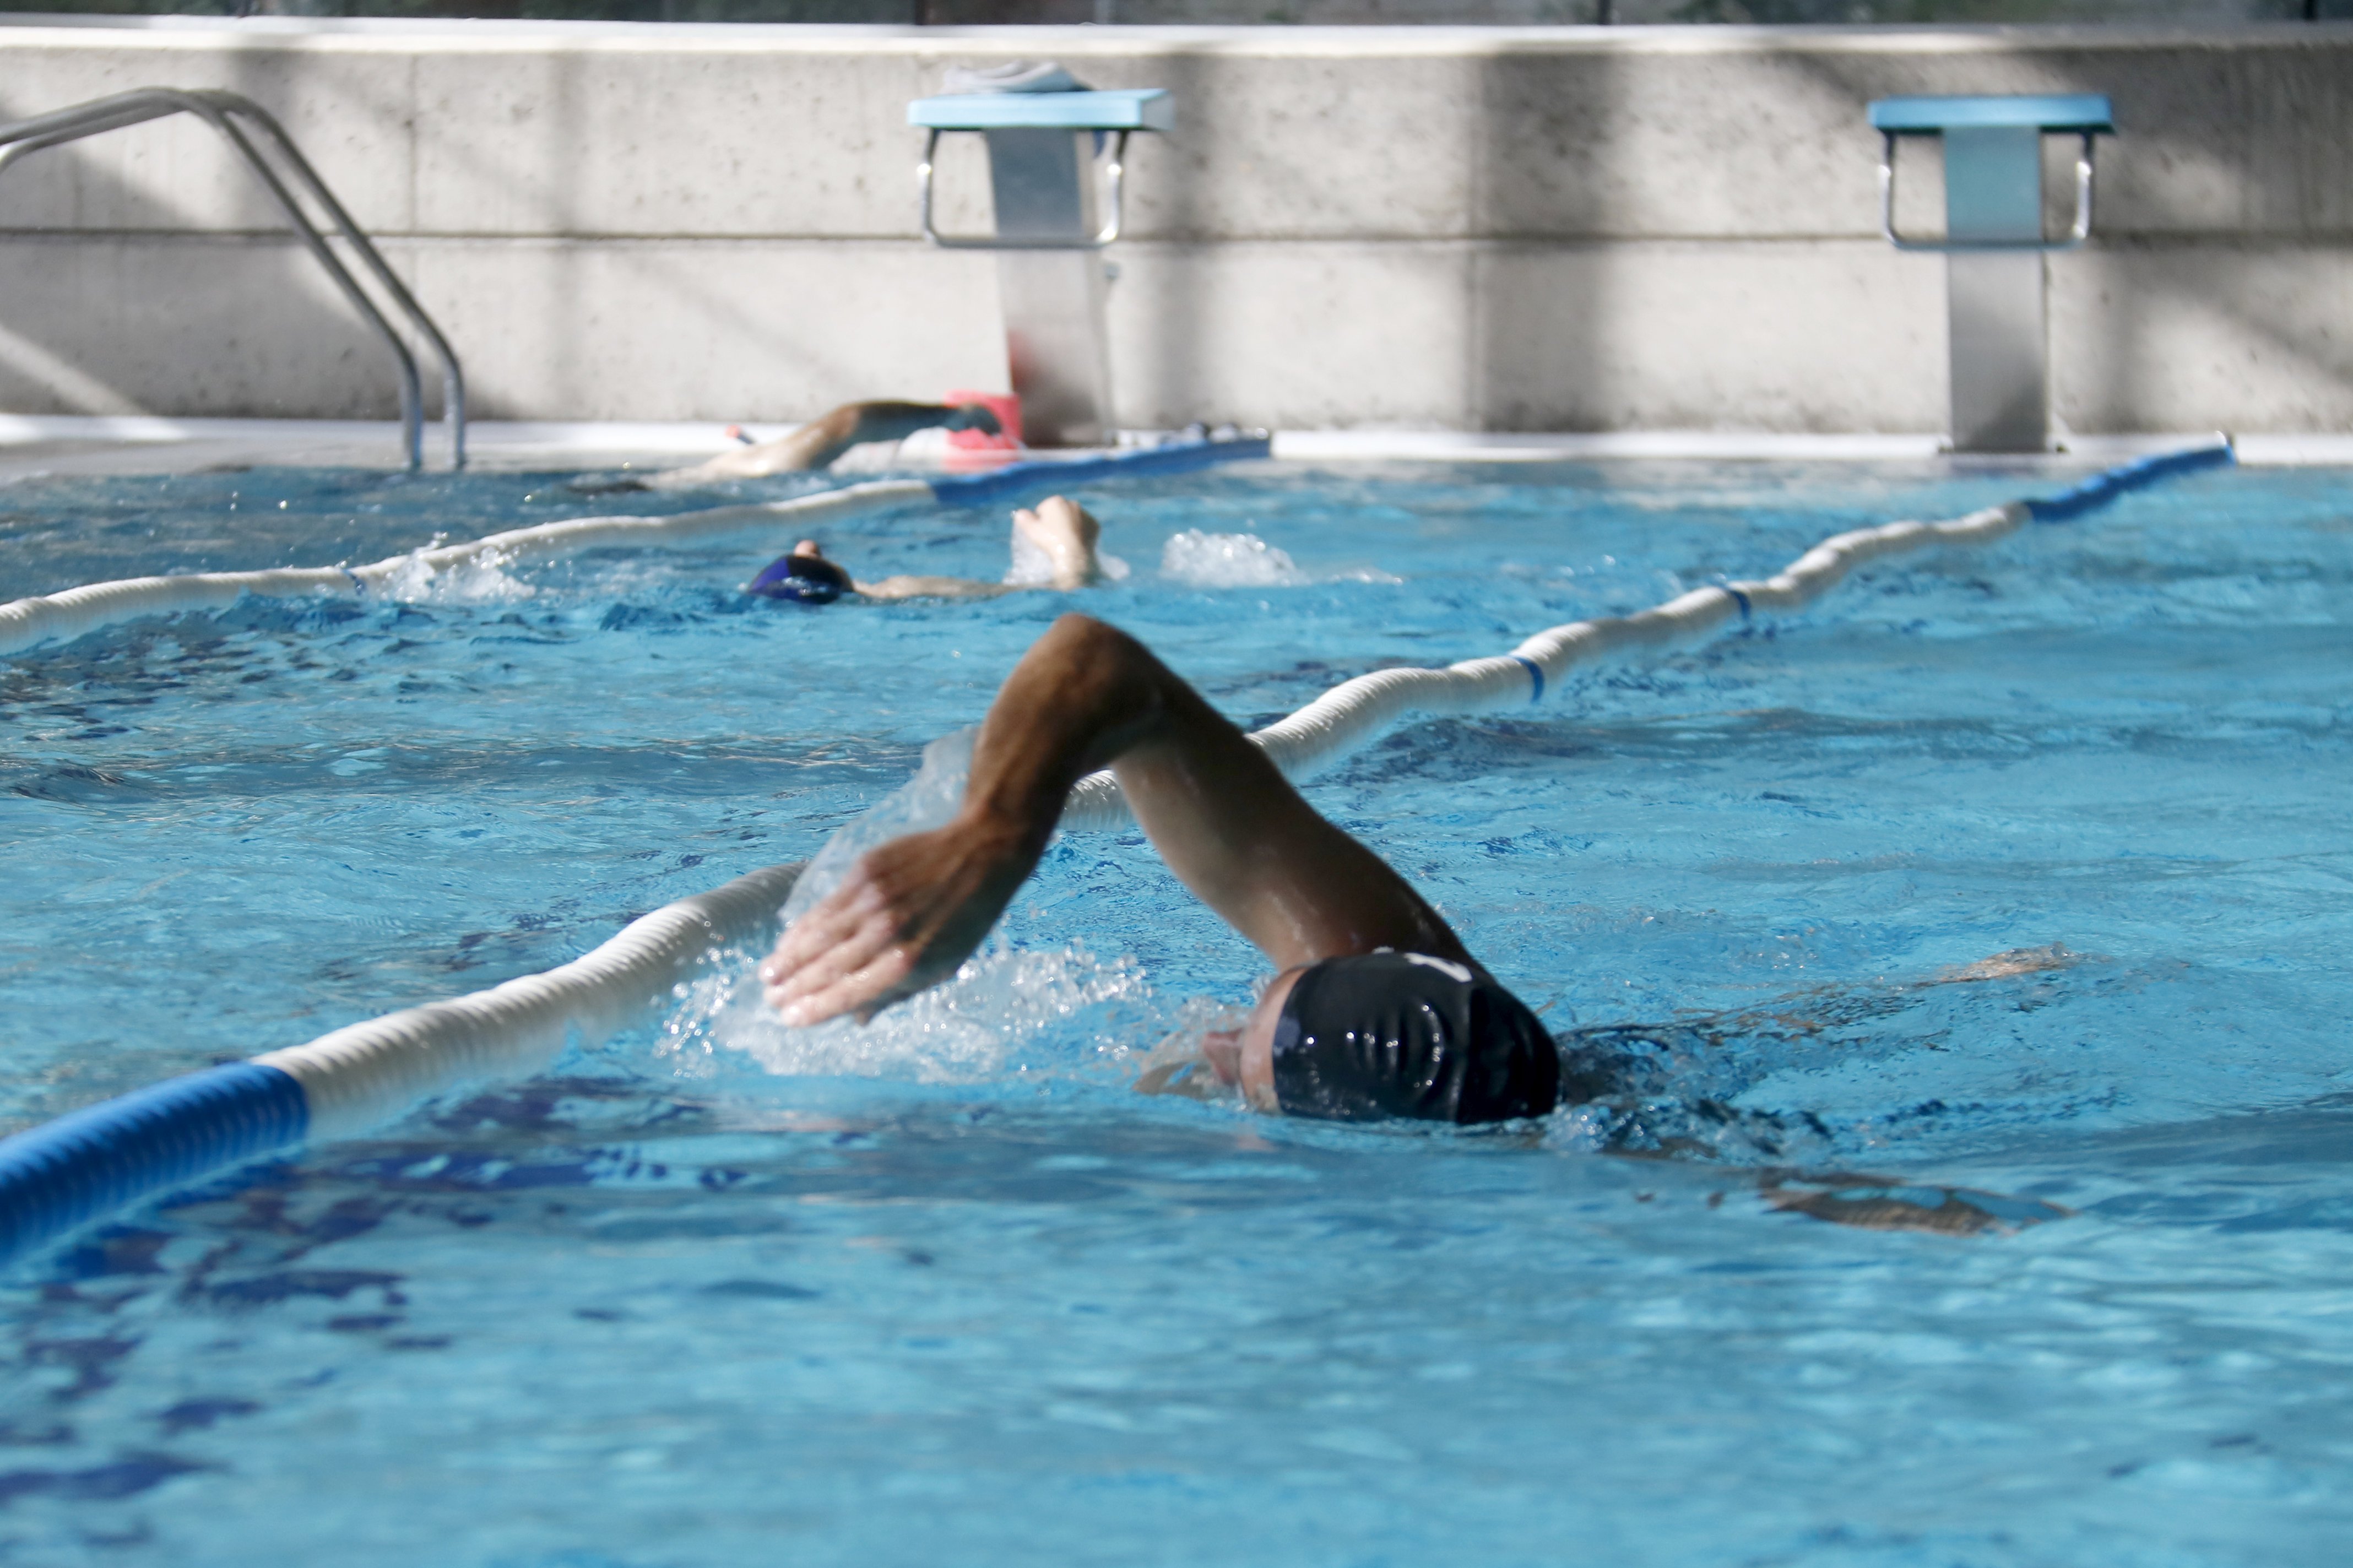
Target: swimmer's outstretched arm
<point>1066,532</point>
<point>1084,696</point>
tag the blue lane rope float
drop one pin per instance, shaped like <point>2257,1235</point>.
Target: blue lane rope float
<point>89,1162</point>
<point>76,612</point>
<point>93,1162</point>
<point>2104,488</point>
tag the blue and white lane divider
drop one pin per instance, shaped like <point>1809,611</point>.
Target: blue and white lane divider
<point>76,612</point>
<point>93,1162</point>
<point>105,1157</point>
<point>1354,712</point>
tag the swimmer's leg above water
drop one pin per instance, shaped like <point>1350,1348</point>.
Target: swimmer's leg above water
<point>1377,1009</point>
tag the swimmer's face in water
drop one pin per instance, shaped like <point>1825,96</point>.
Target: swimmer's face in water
<point>1244,1057</point>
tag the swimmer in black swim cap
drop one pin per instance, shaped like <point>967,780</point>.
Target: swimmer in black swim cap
<point>1378,1010</point>
<point>1061,529</point>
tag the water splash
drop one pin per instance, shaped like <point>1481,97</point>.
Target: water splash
<point>1227,561</point>
<point>963,1030</point>
<point>477,580</point>
<point>1203,560</point>
<point>1004,1012</point>
<point>928,800</point>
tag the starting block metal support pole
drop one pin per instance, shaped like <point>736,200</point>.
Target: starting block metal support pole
<point>1052,284</point>
<point>1993,247</point>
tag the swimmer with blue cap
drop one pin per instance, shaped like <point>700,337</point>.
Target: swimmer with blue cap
<point>1376,1010</point>
<point>1060,530</point>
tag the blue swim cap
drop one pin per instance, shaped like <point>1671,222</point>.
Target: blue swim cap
<point>804,579</point>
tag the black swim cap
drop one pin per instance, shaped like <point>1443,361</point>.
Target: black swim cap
<point>1403,1034</point>
<point>809,579</point>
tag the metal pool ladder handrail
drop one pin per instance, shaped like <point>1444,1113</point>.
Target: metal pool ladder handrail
<point>221,112</point>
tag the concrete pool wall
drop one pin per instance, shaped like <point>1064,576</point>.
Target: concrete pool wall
<point>1503,229</point>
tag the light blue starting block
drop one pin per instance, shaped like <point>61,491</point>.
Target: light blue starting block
<point>1052,286</point>
<point>1993,245</point>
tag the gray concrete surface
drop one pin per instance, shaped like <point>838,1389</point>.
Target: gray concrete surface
<point>1500,229</point>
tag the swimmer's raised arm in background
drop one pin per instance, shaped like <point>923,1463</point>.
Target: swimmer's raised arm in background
<point>818,443</point>
<point>1086,697</point>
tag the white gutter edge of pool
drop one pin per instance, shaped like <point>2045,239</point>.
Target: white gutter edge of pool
<point>498,442</point>
<point>587,435</point>
<point>2293,451</point>
<point>1470,447</point>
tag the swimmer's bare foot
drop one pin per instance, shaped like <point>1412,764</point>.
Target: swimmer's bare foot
<point>1067,532</point>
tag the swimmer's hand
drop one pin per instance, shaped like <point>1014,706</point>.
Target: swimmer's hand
<point>909,912</point>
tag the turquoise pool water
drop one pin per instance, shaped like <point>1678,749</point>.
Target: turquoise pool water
<point>948,1291</point>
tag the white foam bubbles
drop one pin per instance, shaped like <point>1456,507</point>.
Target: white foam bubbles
<point>1203,560</point>
<point>968,1029</point>
<point>1227,561</point>
<point>924,802</point>
<point>479,579</point>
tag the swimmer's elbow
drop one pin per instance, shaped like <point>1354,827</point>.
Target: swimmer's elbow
<point>1076,627</point>
<point>1095,645</point>
<point>1097,656</point>
<point>1105,650</point>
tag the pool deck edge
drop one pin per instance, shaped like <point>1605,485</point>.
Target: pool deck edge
<point>33,445</point>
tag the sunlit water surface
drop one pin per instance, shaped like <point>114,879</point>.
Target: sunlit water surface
<point>947,1291</point>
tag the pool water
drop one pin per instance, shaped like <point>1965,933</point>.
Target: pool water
<point>947,1290</point>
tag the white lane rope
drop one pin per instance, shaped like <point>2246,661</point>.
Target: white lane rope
<point>76,612</point>
<point>1355,712</point>
<point>363,1073</point>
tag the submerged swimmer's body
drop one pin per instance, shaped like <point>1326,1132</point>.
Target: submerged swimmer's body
<point>1062,530</point>
<point>1376,1010</point>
